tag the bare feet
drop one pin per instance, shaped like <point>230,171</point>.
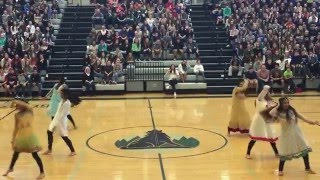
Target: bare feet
<point>41,176</point>
<point>9,171</point>
<point>310,171</point>
<point>280,173</point>
<point>248,156</point>
<point>73,154</point>
<point>75,127</point>
<point>48,152</point>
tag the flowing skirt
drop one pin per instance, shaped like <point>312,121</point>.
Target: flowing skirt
<point>260,130</point>
<point>292,143</point>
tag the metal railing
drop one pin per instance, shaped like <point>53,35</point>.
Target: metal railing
<point>145,71</point>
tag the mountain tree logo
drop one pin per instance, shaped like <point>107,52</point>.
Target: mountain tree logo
<point>156,139</point>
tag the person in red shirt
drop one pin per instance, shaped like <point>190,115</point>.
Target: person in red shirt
<point>11,81</point>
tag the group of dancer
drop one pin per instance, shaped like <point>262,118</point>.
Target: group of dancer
<point>291,141</point>
<point>24,140</point>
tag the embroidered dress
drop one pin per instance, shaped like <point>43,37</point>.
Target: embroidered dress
<point>292,143</point>
<point>25,139</point>
<point>54,101</point>
<point>240,118</point>
<point>260,130</point>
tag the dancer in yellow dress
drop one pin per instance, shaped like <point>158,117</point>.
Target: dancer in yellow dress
<point>24,139</point>
<point>240,118</point>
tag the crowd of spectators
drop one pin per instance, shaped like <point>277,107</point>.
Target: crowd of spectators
<point>126,31</point>
<point>283,34</point>
<point>26,41</point>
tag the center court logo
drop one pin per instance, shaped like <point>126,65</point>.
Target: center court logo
<point>155,139</point>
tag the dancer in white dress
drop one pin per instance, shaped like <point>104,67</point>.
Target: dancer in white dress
<point>60,122</point>
<point>292,143</point>
<point>260,129</point>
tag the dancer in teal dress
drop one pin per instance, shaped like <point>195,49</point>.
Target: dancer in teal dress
<point>55,99</point>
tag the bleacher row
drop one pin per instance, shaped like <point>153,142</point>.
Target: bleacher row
<point>141,73</point>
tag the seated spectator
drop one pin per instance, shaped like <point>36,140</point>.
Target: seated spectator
<point>198,69</point>
<point>178,48</point>
<point>35,81</point>
<point>11,82</point>
<point>146,49</point>
<point>288,80</point>
<point>136,48</point>
<point>263,75</point>
<point>276,77</point>
<point>108,73</point>
<point>173,78</point>
<point>102,47</point>
<point>88,82</point>
<point>313,65</point>
<point>183,70</point>
<point>251,75</point>
<point>22,84</point>
<point>97,18</point>
<point>2,78</point>
<point>157,50</point>
<point>270,64</point>
<point>191,48</point>
<point>117,71</point>
<point>235,66</point>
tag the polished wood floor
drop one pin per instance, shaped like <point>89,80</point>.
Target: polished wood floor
<point>206,119</point>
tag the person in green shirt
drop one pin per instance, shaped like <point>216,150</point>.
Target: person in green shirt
<point>136,48</point>
<point>102,47</point>
<point>227,12</point>
<point>288,80</point>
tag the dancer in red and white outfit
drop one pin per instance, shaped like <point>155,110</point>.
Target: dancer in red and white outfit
<point>260,129</point>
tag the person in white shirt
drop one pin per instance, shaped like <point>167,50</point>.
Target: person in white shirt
<point>183,70</point>
<point>173,76</point>
<point>60,122</point>
<point>198,70</point>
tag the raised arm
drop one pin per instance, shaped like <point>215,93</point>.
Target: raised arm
<point>264,92</point>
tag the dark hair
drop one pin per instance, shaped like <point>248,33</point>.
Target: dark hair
<point>281,109</point>
<point>65,93</point>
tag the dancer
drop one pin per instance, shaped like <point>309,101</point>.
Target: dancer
<point>260,129</point>
<point>240,119</point>
<point>292,143</point>
<point>24,139</point>
<point>60,122</point>
<point>55,99</point>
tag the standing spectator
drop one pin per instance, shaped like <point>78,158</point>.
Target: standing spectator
<point>35,81</point>
<point>198,69</point>
<point>263,76</point>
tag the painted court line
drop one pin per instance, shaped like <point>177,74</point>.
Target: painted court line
<point>161,167</point>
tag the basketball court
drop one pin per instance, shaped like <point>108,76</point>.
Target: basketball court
<point>157,138</point>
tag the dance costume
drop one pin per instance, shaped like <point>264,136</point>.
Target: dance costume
<point>240,118</point>
<point>260,130</point>
<point>24,140</point>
